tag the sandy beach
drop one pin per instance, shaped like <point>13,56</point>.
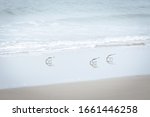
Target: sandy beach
<point>70,75</point>
<point>135,87</point>
<point>73,66</point>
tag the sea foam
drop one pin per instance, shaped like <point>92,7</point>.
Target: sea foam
<point>34,47</point>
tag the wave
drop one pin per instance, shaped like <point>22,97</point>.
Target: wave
<point>31,47</point>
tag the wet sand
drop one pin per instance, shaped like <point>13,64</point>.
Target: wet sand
<point>135,87</point>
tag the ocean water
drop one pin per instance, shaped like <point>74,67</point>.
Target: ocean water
<point>57,41</point>
<point>28,26</point>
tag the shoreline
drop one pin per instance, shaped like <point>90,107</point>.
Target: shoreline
<point>73,66</point>
<point>125,88</point>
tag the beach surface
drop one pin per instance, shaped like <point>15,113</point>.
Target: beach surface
<point>134,87</point>
<point>73,66</point>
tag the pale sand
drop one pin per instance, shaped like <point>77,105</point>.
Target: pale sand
<point>137,87</point>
